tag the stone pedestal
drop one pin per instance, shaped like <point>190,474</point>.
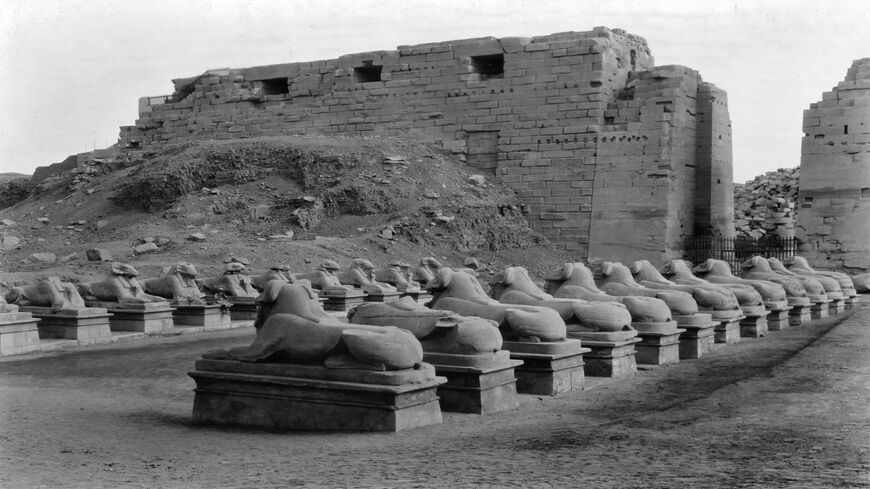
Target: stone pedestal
<point>779,320</point>
<point>141,317</point>
<point>659,342</point>
<point>385,297</point>
<point>727,332</point>
<point>207,316</point>
<point>481,384</point>
<point>278,396</point>
<point>342,300</point>
<point>18,333</point>
<point>611,354</point>
<point>837,306</point>
<point>420,296</point>
<point>754,326</point>
<point>852,302</point>
<point>819,310</point>
<point>243,309</point>
<point>699,336</point>
<point>548,368</point>
<point>89,323</point>
<point>799,315</point>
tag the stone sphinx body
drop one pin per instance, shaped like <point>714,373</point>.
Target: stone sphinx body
<point>293,328</point>
<point>425,271</point>
<point>120,286</point>
<point>616,279</point>
<point>830,288</point>
<point>458,291</point>
<point>361,274</point>
<point>399,276</point>
<point>708,297</point>
<point>800,266</point>
<point>514,286</point>
<point>50,292</point>
<point>438,331</point>
<point>178,285</point>
<point>750,301</point>
<point>575,281</point>
<point>324,278</point>
<point>719,272</point>
<point>233,282</point>
<point>757,268</point>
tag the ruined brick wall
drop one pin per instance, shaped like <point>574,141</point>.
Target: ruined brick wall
<point>833,218</point>
<point>601,146</point>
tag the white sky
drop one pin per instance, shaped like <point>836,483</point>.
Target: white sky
<point>73,70</point>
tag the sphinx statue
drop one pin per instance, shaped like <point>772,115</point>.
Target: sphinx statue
<point>275,272</point>
<point>178,285</point>
<point>233,282</point>
<point>715,299</point>
<point>575,281</point>
<point>425,271</point>
<point>325,278</point>
<point>438,331</point>
<point>616,279</point>
<point>293,328</point>
<point>361,274</point>
<point>719,272</point>
<point>800,266</point>
<point>120,285</point>
<point>514,286</point>
<point>5,307</point>
<point>861,282</point>
<point>816,286</point>
<point>750,301</point>
<point>757,268</point>
<point>460,292</point>
<point>49,292</point>
<point>398,274</point>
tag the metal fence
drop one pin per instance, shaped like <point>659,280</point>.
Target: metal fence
<point>737,250</point>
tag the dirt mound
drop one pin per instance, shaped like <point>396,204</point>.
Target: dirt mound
<point>291,200</point>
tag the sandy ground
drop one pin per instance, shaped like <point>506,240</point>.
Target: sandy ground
<point>789,410</point>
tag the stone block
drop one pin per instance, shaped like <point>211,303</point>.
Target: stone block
<point>479,384</point>
<point>548,368</point>
<point>819,310</point>
<point>314,398</point>
<point>385,297</point>
<point>98,254</point>
<point>728,332</point>
<point>19,333</point>
<point>207,316</point>
<point>145,317</point>
<point>754,326</point>
<point>71,324</point>
<point>837,306</point>
<point>610,357</point>
<point>799,315</point>
<point>697,340</point>
<point>659,348</point>
<point>779,320</point>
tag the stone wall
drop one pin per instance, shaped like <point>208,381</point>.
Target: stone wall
<point>834,200</point>
<point>613,157</point>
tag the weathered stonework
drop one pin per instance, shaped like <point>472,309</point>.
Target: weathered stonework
<point>613,157</point>
<point>833,220</point>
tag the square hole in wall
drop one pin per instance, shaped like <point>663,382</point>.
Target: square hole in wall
<point>489,66</point>
<point>368,72</point>
<point>274,86</point>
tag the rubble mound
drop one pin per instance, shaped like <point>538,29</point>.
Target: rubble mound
<point>766,205</point>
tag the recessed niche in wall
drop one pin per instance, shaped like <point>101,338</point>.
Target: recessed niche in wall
<point>488,66</point>
<point>274,86</point>
<point>368,72</point>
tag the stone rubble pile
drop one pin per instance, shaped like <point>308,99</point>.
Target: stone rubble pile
<point>766,205</point>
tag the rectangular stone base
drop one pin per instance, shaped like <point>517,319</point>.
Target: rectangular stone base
<point>342,303</point>
<point>388,297</point>
<point>479,384</point>
<point>18,333</point>
<point>697,341</point>
<point>72,324</point>
<point>779,320</point>
<point>819,310</point>
<point>754,326</point>
<point>852,302</point>
<point>659,348</point>
<point>799,315</point>
<point>244,308</point>
<point>548,368</point>
<point>306,397</point>
<point>727,332</point>
<point>837,306</point>
<point>208,316</point>
<point>145,317</point>
<point>420,296</point>
<point>614,359</point>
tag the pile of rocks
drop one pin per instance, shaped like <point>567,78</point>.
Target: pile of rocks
<point>765,206</point>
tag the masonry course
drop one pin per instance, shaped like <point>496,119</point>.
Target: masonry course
<point>613,157</point>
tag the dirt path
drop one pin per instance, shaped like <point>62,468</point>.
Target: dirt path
<point>789,410</point>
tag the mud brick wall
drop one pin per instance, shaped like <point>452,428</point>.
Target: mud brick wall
<point>612,157</point>
<point>833,219</point>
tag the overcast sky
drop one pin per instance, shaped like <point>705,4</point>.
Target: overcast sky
<point>73,70</point>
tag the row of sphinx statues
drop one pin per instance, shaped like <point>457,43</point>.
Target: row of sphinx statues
<point>462,317</point>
